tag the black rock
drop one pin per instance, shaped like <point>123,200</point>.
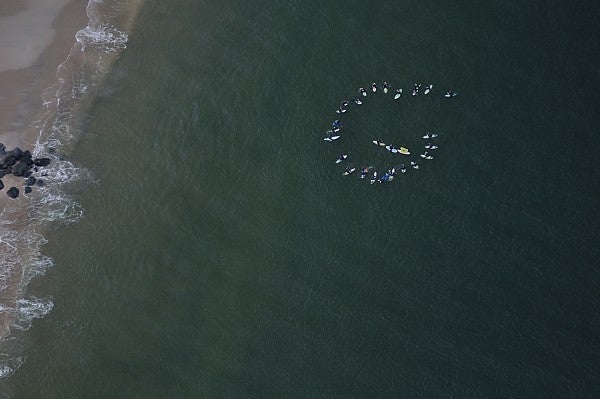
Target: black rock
<point>1,185</point>
<point>13,192</point>
<point>20,169</point>
<point>2,173</point>
<point>27,190</point>
<point>26,157</point>
<point>28,173</point>
<point>8,161</point>
<point>2,149</point>
<point>40,182</point>
<point>41,161</point>
<point>30,181</point>
<point>16,153</point>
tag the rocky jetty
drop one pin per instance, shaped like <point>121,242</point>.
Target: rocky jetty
<point>20,164</point>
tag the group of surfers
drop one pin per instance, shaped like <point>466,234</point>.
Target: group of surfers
<point>337,125</point>
<point>390,173</point>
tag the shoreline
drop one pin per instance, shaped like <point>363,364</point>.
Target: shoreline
<point>21,95</point>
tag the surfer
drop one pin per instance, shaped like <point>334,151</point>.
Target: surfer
<point>357,101</point>
<point>402,168</point>
<point>341,158</point>
<point>450,94</point>
<point>385,87</point>
<point>374,178</point>
<point>364,172</point>
<point>416,89</point>
<point>362,91</point>
<point>337,123</point>
<point>373,87</point>
<point>398,94</point>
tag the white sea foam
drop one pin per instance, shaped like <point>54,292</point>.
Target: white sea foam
<point>29,309</point>
<point>9,364</point>
<point>102,37</point>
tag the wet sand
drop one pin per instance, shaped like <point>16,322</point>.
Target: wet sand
<point>36,36</point>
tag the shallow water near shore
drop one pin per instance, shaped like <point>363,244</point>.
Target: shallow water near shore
<point>222,254</point>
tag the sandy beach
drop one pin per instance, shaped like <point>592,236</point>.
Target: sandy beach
<point>36,36</point>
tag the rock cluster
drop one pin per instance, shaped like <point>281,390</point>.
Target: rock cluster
<point>20,164</point>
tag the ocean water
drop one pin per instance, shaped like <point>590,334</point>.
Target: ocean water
<point>217,251</point>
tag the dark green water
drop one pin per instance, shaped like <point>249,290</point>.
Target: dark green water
<point>222,255</point>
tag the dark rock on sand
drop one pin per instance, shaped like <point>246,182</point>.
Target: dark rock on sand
<point>13,192</point>
<point>2,149</point>
<point>8,161</point>
<point>41,161</point>
<point>27,190</point>
<point>20,169</point>
<point>1,185</point>
<point>2,173</point>
<point>30,181</point>
<point>26,157</point>
<point>16,153</point>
